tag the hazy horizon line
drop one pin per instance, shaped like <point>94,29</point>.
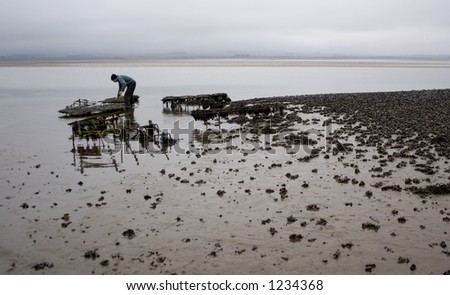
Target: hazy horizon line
<point>234,62</point>
<point>231,56</point>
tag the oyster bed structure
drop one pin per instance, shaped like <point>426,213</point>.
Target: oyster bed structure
<point>84,107</point>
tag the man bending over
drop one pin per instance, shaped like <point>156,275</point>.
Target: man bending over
<point>127,83</point>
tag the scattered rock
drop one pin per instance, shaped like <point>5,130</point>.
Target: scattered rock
<point>396,188</point>
<point>337,254</point>
<point>283,193</point>
<point>266,221</point>
<point>347,245</point>
<point>312,207</point>
<point>401,220</point>
<point>294,238</point>
<point>370,267</point>
<point>370,226</point>
<point>292,177</point>
<point>341,179</point>
<point>291,219</point>
<point>91,254</point>
<point>437,189</point>
<point>129,233</point>
<point>321,222</point>
<point>42,265</point>
<point>272,231</point>
<point>220,193</point>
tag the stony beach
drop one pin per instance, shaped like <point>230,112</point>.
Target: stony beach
<point>355,183</point>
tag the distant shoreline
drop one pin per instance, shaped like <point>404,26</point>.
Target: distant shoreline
<point>234,63</point>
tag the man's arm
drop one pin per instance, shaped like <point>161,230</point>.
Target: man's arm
<point>122,85</point>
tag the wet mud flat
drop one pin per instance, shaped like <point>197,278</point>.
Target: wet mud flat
<point>328,184</point>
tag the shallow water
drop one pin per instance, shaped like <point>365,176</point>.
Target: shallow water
<point>31,96</point>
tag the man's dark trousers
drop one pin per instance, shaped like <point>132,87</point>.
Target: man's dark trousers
<point>128,98</point>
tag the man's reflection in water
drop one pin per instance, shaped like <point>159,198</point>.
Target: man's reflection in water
<point>129,120</point>
<point>148,134</point>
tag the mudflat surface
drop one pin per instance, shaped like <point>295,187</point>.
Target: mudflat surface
<point>336,184</point>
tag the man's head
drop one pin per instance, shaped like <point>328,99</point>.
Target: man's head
<point>114,77</point>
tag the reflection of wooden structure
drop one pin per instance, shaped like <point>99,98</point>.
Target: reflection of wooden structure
<point>88,151</point>
<point>238,109</point>
<point>93,128</point>
<point>217,105</point>
<point>98,141</point>
<point>89,144</point>
<point>174,104</point>
<point>91,157</point>
<point>110,129</point>
<point>206,100</point>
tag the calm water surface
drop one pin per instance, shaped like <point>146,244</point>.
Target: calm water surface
<point>31,96</point>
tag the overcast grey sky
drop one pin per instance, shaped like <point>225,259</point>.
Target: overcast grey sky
<point>137,27</point>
